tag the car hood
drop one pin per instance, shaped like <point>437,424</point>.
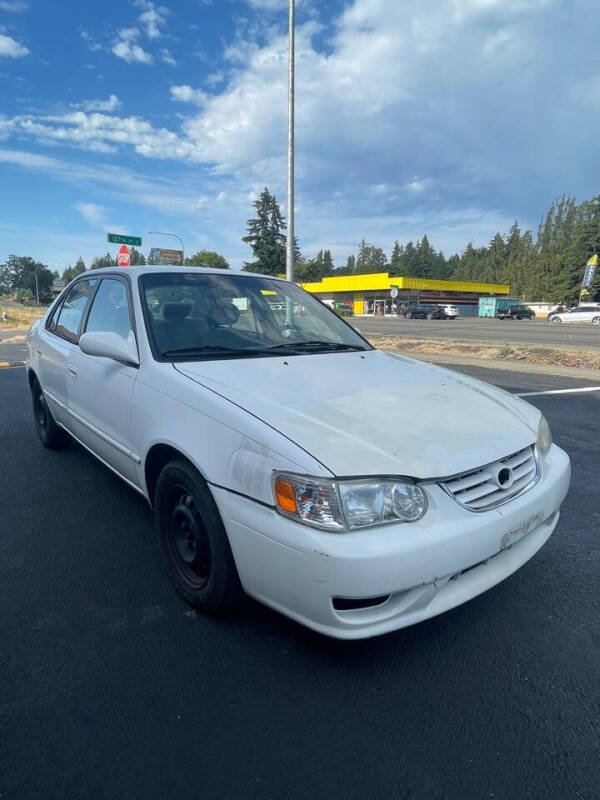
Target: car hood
<point>375,413</point>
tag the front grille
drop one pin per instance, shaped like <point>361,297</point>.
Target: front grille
<point>496,483</point>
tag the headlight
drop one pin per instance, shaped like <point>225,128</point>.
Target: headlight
<point>347,505</point>
<point>544,437</point>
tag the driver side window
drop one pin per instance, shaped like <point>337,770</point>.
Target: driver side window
<point>110,309</point>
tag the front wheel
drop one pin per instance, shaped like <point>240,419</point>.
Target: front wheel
<point>49,433</point>
<point>193,540</point>
<point>556,320</point>
<point>596,321</point>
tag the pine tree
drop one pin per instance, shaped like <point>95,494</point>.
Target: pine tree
<point>266,236</point>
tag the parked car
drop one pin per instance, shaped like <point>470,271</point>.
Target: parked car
<point>355,490</point>
<point>450,311</point>
<point>516,312</point>
<point>587,313</point>
<point>422,311</point>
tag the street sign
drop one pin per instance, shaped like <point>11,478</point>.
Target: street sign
<point>124,258</point>
<point>119,238</point>
<point>166,258</point>
<point>394,292</point>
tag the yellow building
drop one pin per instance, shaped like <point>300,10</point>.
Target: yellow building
<point>372,293</point>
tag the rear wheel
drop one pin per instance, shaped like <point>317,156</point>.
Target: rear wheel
<point>193,540</point>
<point>50,434</point>
<point>408,315</point>
<point>430,315</point>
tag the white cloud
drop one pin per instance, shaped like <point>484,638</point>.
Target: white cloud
<point>91,212</point>
<point>92,44</point>
<point>152,19</point>
<point>131,52</point>
<point>10,48</point>
<point>128,33</point>
<point>110,104</point>
<point>167,58</point>
<point>13,6</point>
<point>185,94</point>
<point>168,196</point>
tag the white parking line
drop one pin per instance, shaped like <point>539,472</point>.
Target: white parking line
<point>559,391</point>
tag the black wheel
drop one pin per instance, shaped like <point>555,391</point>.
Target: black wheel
<point>430,315</point>
<point>50,434</point>
<point>596,321</point>
<point>556,319</point>
<point>193,540</point>
<point>408,315</point>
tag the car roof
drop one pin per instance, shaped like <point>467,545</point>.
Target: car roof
<point>150,269</point>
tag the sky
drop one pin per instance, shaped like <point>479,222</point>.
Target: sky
<point>449,118</point>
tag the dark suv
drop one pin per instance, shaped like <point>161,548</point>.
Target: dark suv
<point>516,312</point>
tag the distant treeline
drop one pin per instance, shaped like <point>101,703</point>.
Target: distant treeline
<point>547,266</point>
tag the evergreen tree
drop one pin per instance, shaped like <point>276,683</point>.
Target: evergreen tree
<point>266,237</point>
<point>328,265</point>
<point>72,272</point>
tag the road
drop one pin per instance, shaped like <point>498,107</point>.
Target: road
<point>489,330</point>
<point>113,688</point>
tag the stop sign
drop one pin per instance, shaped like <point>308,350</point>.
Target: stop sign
<point>124,259</point>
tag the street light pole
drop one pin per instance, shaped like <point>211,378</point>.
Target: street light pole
<point>289,253</point>
<point>165,233</point>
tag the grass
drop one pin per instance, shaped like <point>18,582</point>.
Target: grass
<point>20,316</point>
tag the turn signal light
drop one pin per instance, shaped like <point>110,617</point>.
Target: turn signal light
<point>286,496</point>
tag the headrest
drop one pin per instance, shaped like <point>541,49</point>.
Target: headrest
<point>224,314</point>
<point>176,310</point>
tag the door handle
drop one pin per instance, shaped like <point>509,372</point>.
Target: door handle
<point>72,370</point>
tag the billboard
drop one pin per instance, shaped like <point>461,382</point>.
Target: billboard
<point>165,258</point>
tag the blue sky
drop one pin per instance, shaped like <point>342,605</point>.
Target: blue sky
<point>445,117</point>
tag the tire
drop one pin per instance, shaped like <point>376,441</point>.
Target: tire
<point>519,317</point>
<point>596,321</point>
<point>556,319</point>
<point>193,541</point>
<point>408,315</point>
<point>49,433</point>
<point>430,316</point>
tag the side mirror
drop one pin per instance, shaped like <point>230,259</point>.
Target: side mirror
<point>110,345</point>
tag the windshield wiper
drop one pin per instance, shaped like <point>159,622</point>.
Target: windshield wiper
<point>204,350</point>
<point>315,344</point>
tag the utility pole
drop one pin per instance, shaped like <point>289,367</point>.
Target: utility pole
<point>289,253</point>
<point>37,288</point>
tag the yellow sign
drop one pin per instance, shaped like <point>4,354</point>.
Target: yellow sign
<point>593,262</point>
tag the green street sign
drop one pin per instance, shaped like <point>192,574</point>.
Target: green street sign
<point>118,238</point>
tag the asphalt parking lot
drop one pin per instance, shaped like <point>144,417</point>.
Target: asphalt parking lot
<point>112,688</point>
<point>522,331</point>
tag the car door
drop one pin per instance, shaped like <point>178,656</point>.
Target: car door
<point>99,390</point>
<point>55,343</point>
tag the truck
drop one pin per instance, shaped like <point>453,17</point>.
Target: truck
<point>490,306</point>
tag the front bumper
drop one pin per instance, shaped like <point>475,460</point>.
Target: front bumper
<point>422,568</point>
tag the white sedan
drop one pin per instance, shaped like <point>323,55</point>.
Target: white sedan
<point>588,313</point>
<point>354,490</point>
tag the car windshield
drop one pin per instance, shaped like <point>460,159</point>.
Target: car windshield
<point>199,316</point>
